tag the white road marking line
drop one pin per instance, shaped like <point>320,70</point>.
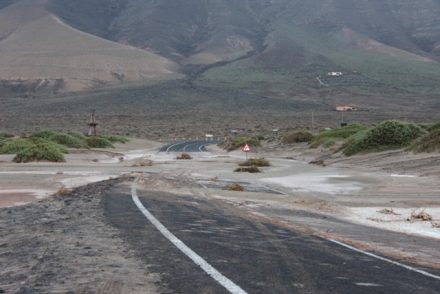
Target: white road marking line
<point>179,143</point>
<point>368,285</point>
<point>186,146</point>
<point>197,259</point>
<point>387,260</point>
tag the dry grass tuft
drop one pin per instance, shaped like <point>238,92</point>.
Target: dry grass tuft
<point>420,216</point>
<point>319,162</point>
<point>251,169</point>
<point>184,156</point>
<point>234,187</point>
<point>388,211</point>
<point>255,162</point>
<point>143,163</point>
<point>64,191</point>
<point>435,225</point>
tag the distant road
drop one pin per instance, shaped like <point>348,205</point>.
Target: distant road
<point>187,146</point>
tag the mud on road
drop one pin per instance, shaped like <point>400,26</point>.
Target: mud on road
<point>64,245</point>
<point>95,240</point>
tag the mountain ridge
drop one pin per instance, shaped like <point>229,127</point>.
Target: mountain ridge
<point>36,45</point>
<point>385,47</point>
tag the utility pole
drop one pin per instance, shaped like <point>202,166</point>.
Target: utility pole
<point>343,124</point>
<point>92,124</point>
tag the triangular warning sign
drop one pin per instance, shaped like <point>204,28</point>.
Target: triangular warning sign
<point>246,148</point>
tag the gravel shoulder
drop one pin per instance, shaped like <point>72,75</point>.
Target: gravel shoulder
<point>64,245</point>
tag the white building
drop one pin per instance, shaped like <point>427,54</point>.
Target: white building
<point>335,74</point>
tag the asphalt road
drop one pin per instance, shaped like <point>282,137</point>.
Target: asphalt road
<point>187,146</point>
<point>259,256</point>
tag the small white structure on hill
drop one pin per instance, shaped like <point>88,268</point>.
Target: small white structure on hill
<point>345,108</point>
<point>335,74</point>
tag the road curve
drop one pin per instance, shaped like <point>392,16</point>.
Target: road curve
<point>258,256</point>
<point>187,146</point>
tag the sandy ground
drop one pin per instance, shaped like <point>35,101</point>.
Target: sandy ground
<point>25,183</point>
<point>65,245</point>
<point>383,190</point>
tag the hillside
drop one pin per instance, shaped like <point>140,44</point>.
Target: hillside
<point>37,47</point>
<point>384,47</point>
<point>226,52</point>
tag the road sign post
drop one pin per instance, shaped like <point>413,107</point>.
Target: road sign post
<point>246,149</point>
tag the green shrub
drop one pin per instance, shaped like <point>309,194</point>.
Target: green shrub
<point>387,135</point>
<point>336,134</point>
<point>4,136</point>
<point>240,142</point>
<point>329,143</point>
<point>68,140</point>
<point>117,139</point>
<point>350,145</point>
<point>297,137</point>
<point>40,150</point>
<point>427,143</point>
<point>14,146</point>
<point>434,127</point>
<point>98,142</point>
<point>77,135</point>
<point>60,147</point>
<point>44,134</point>
<point>255,162</point>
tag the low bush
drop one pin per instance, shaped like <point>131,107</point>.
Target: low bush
<point>420,216</point>
<point>387,135</point>
<point>184,156</point>
<point>251,169</point>
<point>68,140</point>
<point>77,135</point>
<point>297,137</point>
<point>44,134</point>
<point>255,162</point>
<point>434,127</point>
<point>98,142</point>
<point>329,143</point>
<point>427,143</point>
<point>117,139</point>
<point>341,133</point>
<point>14,146</point>
<point>239,142</point>
<point>4,136</point>
<point>234,187</point>
<point>352,143</point>
<point>40,150</point>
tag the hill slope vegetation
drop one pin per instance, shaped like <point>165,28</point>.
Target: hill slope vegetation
<point>384,49</point>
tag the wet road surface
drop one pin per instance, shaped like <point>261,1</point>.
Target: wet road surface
<point>258,256</point>
<point>187,146</point>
